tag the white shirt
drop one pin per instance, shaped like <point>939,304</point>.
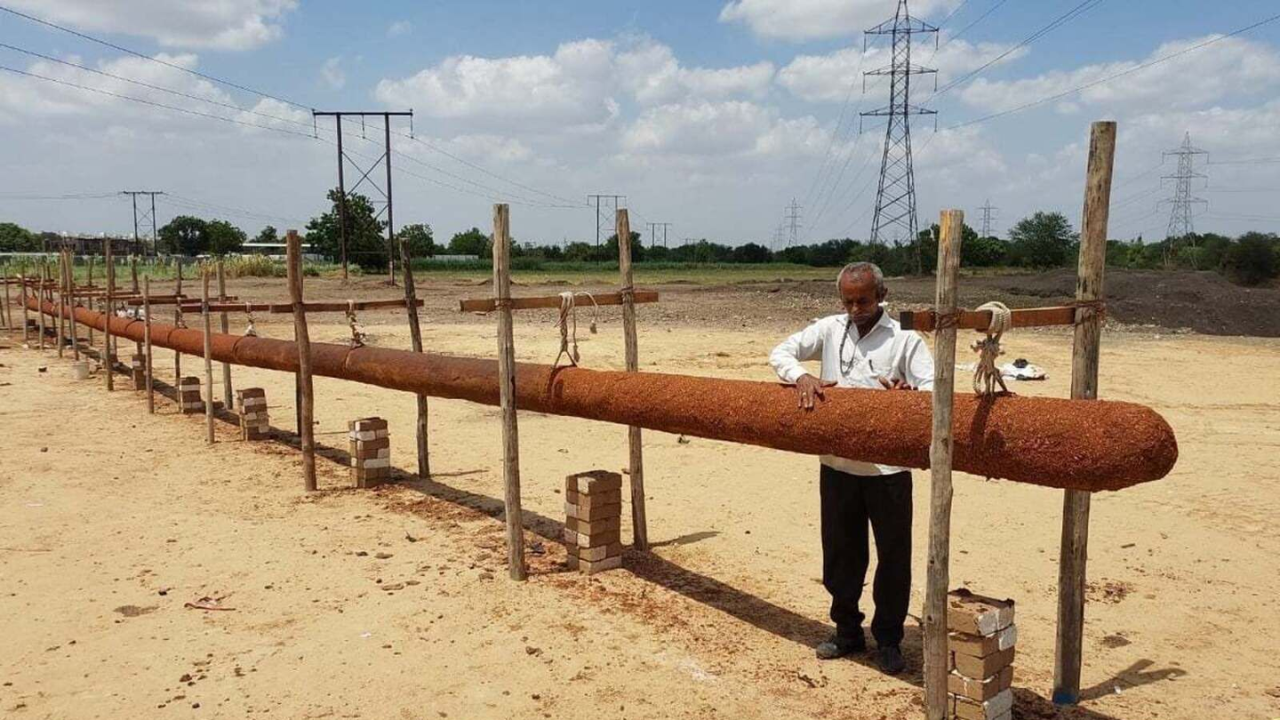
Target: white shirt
<point>852,360</point>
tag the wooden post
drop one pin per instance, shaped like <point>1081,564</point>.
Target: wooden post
<point>226,367</point>
<point>40,273</point>
<point>6,311</point>
<point>106,332</point>
<point>415,336</point>
<point>1073,555</point>
<point>177,322</point>
<point>133,271</point>
<point>89,282</point>
<point>62,301</point>
<point>146,341</point>
<point>303,338</point>
<point>507,391</point>
<point>71,303</point>
<point>22,295</point>
<point>936,663</point>
<point>639,524</point>
<point>208,354</point>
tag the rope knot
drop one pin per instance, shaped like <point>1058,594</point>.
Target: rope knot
<point>987,376</point>
<point>357,332</point>
<point>568,323</point>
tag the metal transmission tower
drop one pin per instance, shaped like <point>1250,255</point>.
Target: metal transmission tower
<point>653,226</point>
<point>895,216</point>
<point>366,174</point>
<point>609,204</point>
<point>147,216</point>
<point>988,215</point>
<point>793,223</point>
<point>1180,224</point>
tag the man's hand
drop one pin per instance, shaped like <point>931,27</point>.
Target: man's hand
<point>808,387</point>
<point>894,384</point>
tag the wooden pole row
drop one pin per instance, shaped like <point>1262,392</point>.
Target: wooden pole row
<point>487,305</point>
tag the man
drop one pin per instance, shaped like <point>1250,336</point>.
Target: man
<point>861,348</point>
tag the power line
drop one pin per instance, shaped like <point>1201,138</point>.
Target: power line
<point>143,56</point>
<point>1114,76</point>
<point>1071,14</point>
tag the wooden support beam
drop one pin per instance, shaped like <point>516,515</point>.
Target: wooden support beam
<point>207,324</point>
<point>7,310</point>
<point>62,302</point>
<point>927,320</point>
<point>146,342</point>
<point>71,302</point>
<point>635,448</point>
<point>281,308</point>
<point>133,272</point>
<point>40,296</point>
<point>938,578</point>
<point>306,390</point>
<point>486,305</point>
<point>223,323</point>
<point>26,319</point>
<point>415,338</point>
<point>507,392</point>
<point>1074,552</point>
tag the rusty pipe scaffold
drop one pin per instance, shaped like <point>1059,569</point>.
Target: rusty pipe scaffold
<point>1077,444</point>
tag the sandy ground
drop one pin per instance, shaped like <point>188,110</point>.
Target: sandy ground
<point>395,602</point>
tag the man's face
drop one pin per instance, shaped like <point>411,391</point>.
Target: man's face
<point>861,297</point>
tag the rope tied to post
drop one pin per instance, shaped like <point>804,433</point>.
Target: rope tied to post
<point>987,376</point>
<point>250,331</point>
<point>1089,309</point>
<point>357,332</point>
<point>568,323</point>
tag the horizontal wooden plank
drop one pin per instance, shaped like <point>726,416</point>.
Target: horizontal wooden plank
<point>484,305</point>
<point>927,320</point>
<point>312,307</point>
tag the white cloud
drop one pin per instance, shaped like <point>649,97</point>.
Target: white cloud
<point>332,74</point>
<point>651,73</point>
<point>399,27</point>
<point>1233,67</point>
<point>719,129</point>
<point>224,25</point>
<point>569,86</point>
<point>798,20</point>
<point>828,78</point>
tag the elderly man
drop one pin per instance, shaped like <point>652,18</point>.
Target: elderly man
<point>861,348</point>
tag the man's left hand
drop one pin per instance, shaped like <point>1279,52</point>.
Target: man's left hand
<point>894,384</point>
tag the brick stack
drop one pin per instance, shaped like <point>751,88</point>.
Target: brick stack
<point>592,526</point>
<point>138,369</point>
<point>370,451</point>
<point>981,639</point>
<point>254,423</point>
<point>189,400</point>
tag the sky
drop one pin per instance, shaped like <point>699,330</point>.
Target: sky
<point>710,115</point>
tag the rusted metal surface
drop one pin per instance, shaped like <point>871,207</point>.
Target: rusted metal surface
<point>1081,445</point>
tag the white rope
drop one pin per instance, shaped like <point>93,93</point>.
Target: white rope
<point>250,331</point>
<point>987,376</point>
<point>569,316</point>
<point>357,332</point>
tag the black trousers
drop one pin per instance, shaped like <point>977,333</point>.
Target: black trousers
<point>849,504</point>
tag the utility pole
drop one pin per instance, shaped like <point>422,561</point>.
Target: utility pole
<point>895,215</point>
<point>793,223</point>
<point>653,226</point>
<point>1180,217</point>
<point>366,174</point>
<point>610,204</point>
<point>146,216</point>
<point>988,215</point>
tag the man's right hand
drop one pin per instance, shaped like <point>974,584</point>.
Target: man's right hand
<point>809,387</point>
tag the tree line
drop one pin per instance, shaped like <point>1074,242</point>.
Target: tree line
<point>1040,241</point>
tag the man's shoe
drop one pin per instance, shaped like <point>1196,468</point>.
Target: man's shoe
<point>838,646</point>
<point>891,660</point>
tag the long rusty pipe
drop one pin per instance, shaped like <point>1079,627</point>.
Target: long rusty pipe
<point>1081,445</point>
